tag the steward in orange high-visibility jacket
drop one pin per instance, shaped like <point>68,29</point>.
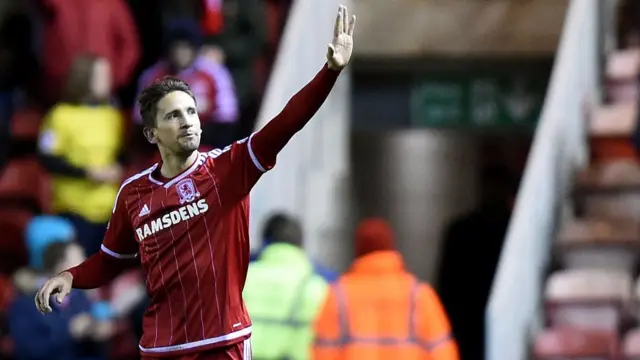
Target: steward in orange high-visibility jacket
<point>378,310</point>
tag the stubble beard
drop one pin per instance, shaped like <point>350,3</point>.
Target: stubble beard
<point>186,147</point>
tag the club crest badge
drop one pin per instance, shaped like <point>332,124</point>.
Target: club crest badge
<point>187,191</point>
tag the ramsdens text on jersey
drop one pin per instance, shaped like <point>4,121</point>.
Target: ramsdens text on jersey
<point>172,218</point>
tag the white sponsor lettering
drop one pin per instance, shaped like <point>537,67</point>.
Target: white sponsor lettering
<point>174,217</point>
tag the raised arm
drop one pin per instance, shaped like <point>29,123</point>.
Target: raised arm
<point>269,141</point>
<point>119,251</point>
<point>250,158</point>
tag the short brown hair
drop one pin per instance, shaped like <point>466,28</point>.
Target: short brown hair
<point>78,86</point>
<point>149,98</point>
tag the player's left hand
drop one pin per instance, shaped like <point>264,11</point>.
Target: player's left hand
<point>341,47</point>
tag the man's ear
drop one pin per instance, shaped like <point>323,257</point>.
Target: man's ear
<point>150,134</point>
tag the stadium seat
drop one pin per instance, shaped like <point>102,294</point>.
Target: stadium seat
<point>599,243</point>
<point>622,70</point>
<point>13,253</point>
<point>623,64</point>
<point>610,127</point>
<point>579,344</point>
<point>588,298</point>
<point>25,124</point>
<point>609,190</point>
<point>631,345</point>
<point>24,183</point>
<point>618,119</point>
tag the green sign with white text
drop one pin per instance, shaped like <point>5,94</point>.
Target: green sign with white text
<point>468,100</point>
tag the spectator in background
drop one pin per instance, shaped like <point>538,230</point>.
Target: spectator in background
<point>271,233</point>
<point>378,310</point>
<point>80,144</point>
<point>73,27</point>
<point>41,232</point>
<point>72,332</point>
<point>209,79</point>
<point>18,72</point>
<point>125,298</point>
<point>283,294</point>
<point>239,26</point>
<point>472,248</point>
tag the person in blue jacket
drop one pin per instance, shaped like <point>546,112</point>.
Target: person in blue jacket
<point>271,230</point>
<point>71,332</point>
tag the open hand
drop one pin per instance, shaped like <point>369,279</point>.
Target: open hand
<point>341,47</point>
<point>60,285</point>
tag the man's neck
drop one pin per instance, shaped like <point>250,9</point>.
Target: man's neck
<point>173,165</point>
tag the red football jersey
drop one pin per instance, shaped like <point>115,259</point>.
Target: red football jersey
<point>192,236</point>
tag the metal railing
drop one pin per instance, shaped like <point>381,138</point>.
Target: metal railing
<point>559,149</point>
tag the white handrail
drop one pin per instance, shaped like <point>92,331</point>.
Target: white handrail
<point>559,148</point>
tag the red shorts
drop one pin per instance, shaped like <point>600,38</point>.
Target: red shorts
<point>239,351</point>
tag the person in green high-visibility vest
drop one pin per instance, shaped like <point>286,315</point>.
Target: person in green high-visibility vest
<point>283,295</point>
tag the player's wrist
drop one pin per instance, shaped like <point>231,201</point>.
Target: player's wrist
<point>332,67</point>
<point>67,275</point>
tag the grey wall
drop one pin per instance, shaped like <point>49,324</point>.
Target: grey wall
<point>418,180</point>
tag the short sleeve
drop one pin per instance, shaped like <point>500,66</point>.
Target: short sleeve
<point>243,167</point>
<point>51,138</point>
<point>119,241</point>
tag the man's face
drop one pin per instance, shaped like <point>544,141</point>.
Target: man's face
<point>177,124</point>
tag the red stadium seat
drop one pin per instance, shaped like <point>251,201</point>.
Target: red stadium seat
<point>623,64</point>
<point>24,183</point>
<point>13,253</point>
<point>610,128</point>
<point>579,344</point>
<point>610,189</point>
<point>591,299</point>
<point>622,70</point>
<point>617,119</point>
<point>25,124</point>
<point>631,345</point>
<point>599,243</point>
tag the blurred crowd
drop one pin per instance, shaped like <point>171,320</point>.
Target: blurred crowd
<point>70,133</point>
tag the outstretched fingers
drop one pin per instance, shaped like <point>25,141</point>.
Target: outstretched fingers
<point>339,26</point>
<point>345,19</point>
<point>352,25</point>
